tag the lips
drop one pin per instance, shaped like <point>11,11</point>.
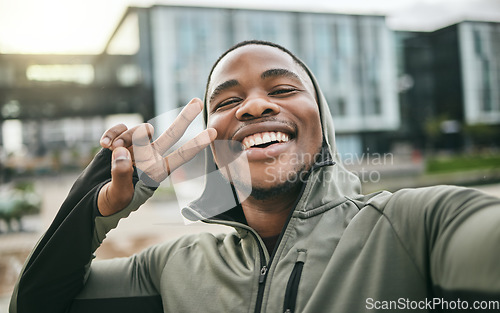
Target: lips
<point>264,139</point>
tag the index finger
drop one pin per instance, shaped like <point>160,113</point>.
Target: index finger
<point>109,135</point>
<point>179,126</point>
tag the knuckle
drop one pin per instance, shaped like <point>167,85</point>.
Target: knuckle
<point>118,129</point>
<point>122,167</point>
<point>185,116</point>
<point>182,153</point>
<point>142,134</point>
<point>197,141</point>
<point>172,132</point>
<point>148,129</point>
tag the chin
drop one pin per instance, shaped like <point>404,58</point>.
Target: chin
<point>273,182</point>
<point>270,192</point>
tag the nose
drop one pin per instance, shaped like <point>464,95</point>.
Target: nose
<point>256,107</point>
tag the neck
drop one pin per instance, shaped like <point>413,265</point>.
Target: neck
<point>268,216</point>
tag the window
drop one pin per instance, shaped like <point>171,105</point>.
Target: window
<point>75,73</point>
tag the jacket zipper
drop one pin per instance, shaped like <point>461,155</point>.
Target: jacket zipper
<point>292,286</point>
<point>262,276</point>
<point>265,267</point>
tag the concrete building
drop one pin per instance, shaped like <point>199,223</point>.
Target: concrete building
<point>54,108</point>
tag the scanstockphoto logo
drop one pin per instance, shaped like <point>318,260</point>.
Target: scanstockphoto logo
<point>432,304</point>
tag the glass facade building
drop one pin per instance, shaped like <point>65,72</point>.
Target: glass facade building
<point>480,52</point>
<point>352,56</point>
<point>383,87</point>
<point>453,102</point>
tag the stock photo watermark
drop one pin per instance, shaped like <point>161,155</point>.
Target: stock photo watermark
<point>364,166</point>
<point>431,304</point>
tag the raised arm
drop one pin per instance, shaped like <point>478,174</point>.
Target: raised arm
<point>121,177</point>
<point>465,257</point>
<point>453,234</point>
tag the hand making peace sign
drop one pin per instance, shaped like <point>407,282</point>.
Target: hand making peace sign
<point>134,147</point>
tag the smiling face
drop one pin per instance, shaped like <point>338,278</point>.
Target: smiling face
<point>260,98</point>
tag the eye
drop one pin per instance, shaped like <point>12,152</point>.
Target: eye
<point>283,91</point>
<point>226,103</point>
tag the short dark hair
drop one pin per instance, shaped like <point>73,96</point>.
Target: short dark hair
<point>246,43</point>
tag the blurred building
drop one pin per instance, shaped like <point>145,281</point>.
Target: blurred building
<point>352,56</point>
<point>435,90</point>
<point>57,106</point>
<point>451,86</point>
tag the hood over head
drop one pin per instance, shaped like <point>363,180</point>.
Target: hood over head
<point>327,181</point>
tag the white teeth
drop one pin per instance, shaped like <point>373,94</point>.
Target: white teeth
<point>265,137</point>
<point>258,139</point>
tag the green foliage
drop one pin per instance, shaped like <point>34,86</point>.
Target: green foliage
<point>25,186</point>
<point>462,163</point>
<point>482,134</point>
<point>18,201</point>
<point>433,127</point>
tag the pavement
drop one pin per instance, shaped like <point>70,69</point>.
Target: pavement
<point>156,221</point>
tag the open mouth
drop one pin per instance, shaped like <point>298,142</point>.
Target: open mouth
<point>265,139</point>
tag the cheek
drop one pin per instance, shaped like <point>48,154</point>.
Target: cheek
<point>311,118</point>
<point>313,131</point>
<point>220,123</point>
<point>221,147</point>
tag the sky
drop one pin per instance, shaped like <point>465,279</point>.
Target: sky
<point>84,26</point>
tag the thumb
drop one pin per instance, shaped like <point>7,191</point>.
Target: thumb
<point>117,194</point>
<point>121,168</point>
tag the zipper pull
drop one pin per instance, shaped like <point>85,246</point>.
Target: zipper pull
<point>263,272</point>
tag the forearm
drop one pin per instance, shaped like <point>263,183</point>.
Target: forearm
<point>464,261</point>
<point>452,234</point>
<point>58,266</point>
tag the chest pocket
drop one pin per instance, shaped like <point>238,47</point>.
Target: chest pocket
<point>292,286</point>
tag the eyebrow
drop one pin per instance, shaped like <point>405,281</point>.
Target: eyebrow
<point>225,85</point>
<point>280,72</point>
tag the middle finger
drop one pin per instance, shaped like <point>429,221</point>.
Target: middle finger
<point>179,126</point>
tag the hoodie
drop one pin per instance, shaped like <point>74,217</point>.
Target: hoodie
<point>427,249</point>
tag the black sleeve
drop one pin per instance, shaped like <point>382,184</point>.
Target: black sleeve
<point>57,267</point>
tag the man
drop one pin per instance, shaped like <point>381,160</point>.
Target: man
<point>305,239</point>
